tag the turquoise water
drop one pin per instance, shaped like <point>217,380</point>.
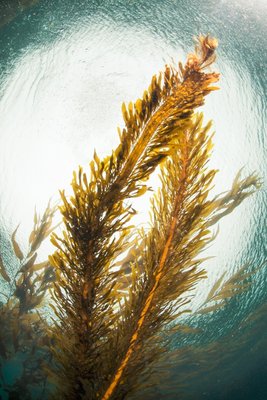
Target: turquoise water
<point>65,69</point>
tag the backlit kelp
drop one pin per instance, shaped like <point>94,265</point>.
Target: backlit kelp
<point>24,340</point>
<point>113,324</point>
<point>116,292</point>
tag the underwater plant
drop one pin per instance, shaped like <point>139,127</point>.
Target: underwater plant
<point>23,335</point>
<point>117,291</point>
<point>114,319</point>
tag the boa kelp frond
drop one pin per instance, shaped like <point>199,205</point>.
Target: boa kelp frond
<point>167,267</point>
<point>107,338</point>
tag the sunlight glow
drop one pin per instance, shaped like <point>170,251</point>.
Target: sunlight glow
<point>62,101</point>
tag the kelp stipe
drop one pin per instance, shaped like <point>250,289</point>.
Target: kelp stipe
<point>106,338</point>
<point>24,339</point>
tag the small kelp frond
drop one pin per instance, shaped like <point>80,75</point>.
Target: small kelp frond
<point>33,279</point>
<point>225,289</point>
<point>226,202</point>
<point>3,270</point>
<point>204,53</point>
<point>96,217</point>
<point>166,268</point>
<point>42,228</point>
<point>23,333</point>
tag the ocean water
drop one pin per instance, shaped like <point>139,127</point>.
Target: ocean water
<point>65,69</point>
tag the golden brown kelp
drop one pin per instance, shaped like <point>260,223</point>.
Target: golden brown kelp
<point>23,334</point>
<point>225,290</point>
<point>105,339</point>
<point>197,363</point>
<point>181,216</point>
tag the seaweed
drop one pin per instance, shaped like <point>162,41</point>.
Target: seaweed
<point>223,291</point>
<point>117,292</point>
<point>114,318</point>
<point>24,338</point>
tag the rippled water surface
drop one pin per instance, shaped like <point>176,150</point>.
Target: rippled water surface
<point>65,69</point>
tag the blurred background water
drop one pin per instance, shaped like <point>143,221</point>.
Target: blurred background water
<point>65,69</point>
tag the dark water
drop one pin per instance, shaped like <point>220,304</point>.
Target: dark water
<point>65,68</point>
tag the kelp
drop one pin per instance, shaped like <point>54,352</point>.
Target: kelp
<point>118,291</point>
<point>181,214</point>
<point>24,337</point>
<point>112,317</point>
<point>222,291</point>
